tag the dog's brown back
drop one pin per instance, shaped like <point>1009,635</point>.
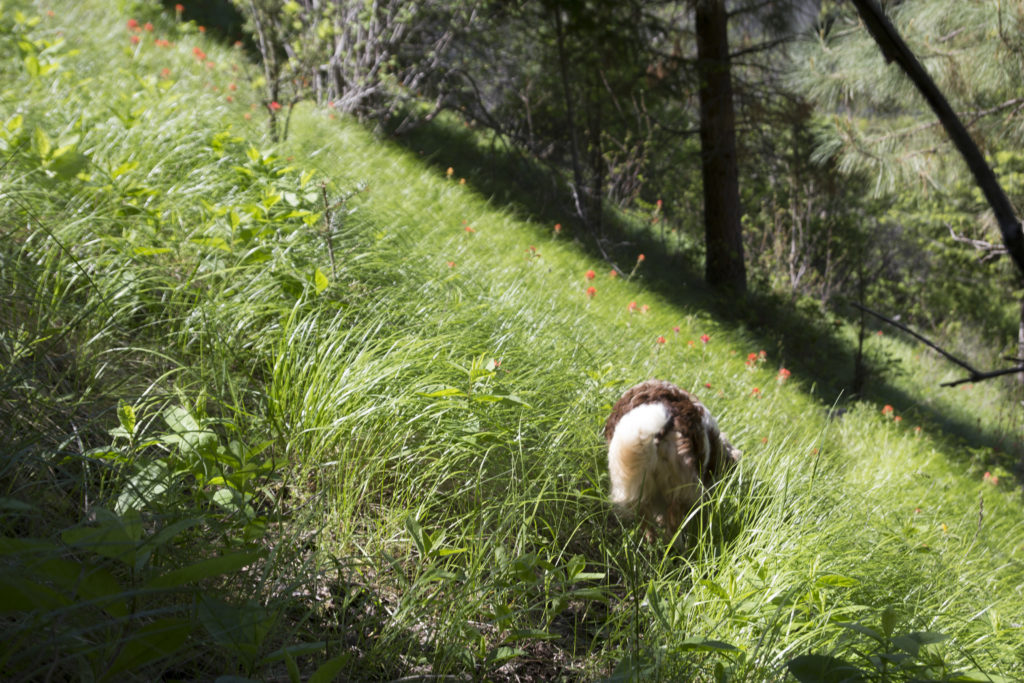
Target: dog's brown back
<point>706,450</point>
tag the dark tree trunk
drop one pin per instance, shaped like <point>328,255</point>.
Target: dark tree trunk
<point>724,268</point>
<point>579,188</point>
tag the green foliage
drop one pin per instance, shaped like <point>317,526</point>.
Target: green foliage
<point>316,410</point>
<point>888,656</point>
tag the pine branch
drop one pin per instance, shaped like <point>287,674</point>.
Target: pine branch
<point>894,49</point>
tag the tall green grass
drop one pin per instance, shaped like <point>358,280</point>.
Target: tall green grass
<point>229,453</point>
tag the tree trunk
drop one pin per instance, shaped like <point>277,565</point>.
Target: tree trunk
<point>570,113</point>
<point>725,267</point>
<point>1020,342</point>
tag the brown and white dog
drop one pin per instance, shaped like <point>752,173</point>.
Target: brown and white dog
<point>664,452</point>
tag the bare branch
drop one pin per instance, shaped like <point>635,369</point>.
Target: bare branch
<point>975,375</point>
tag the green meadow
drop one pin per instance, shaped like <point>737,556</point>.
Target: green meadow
<point>324,410</point>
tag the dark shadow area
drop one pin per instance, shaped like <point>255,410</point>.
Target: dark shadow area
<point>219,16</point>
<point>805,342</point>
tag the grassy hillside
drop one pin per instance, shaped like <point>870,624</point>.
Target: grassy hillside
<point>323,409</point>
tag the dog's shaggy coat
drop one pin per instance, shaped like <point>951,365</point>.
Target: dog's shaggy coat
<point>664,451</point>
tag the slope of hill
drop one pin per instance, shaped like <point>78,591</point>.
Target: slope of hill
<point>322,409</point>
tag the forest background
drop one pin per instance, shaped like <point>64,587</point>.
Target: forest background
<point>849,189</point>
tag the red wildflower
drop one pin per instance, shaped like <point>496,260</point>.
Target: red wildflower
<point>232,87</point>
<point>451,264</point>
<point>783,375</point>
<point>990,478</point>
<point>640,258</point>
<point>469,229</point>
<point>148,27</point>
<point>632,306</point>
<point>179,8</point>
<point>887,410</point>
<point>449,172</point>
<point>135,40</point>
<point>275,105</point>
<point>590,275</point>
<point>198,53</point>
<point>658,204</point>
<point>645,308</point>
<point>613,273</point>
<point>202,29</point>
<point>689,343</point>
<point>161,42</point>
<point>917,429</point>
<point>705,338</point>
<point>756,391</point>
<point>707,384</point>
<point>165,72</point>
<point>675,329</point>
<point>247,116</point>
<point>879,333</point>
<point>133,25</point>
<point>661,340</point>
<point>897,419</point>
<point>229,98</point>
<point>558,227</point>
<point>591,291</point>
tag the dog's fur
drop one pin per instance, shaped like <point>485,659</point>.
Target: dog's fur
<point>664,452</point>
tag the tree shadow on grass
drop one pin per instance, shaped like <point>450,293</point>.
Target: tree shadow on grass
<point>806,342</point>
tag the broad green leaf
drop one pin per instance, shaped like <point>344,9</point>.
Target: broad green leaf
<point>144,487</point>
<point>421,540</point>
<point>212,242</point>
<point>114,537</point>
<point>43,144</point>
<point>707,645</point>
<point>126,416</point>
<point>828,580</point>
<point>18,594</point>
<point>150,251</point>
<point>912,642</point>
<point>257,255</point>
<point>329,670</point>
<point>126,167</point>
<point>204,569</point>
<point>239,628</point>
<point>714,588</point>
<point>864,630</point>
<point>824,669</point>
<point>320,281</point>
<point>13,505</point>
<point>84,581</point>
<point>147,644</point>
<point>31,66</point>
<point>443,393</point>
